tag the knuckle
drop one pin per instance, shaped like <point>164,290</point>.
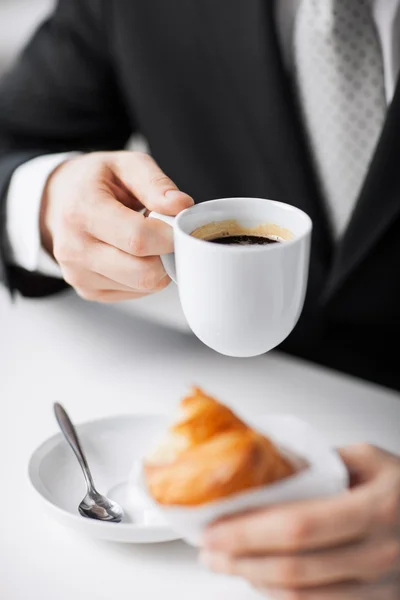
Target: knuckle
<point>237,539</point>
<point>135,159</point>
<point>146,282</point>
<point>135,244</point>
<point>70,251</point>
<point>98,158</point>
<point>148,278</point>
<point>297,532</point>
<point>389,556</point>
<point>137,240</point>
<point>95,163</point>
<point>72,217</point>
<point>160,180</point>
<point>389,509</point>
<point>62,252</point>
<point>381,562</point>
<point>367,451</point>
<point>74,278</point>
<point>139,156</point>
<point>289,571</point>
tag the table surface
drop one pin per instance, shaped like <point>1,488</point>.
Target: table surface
<point>99,361</point>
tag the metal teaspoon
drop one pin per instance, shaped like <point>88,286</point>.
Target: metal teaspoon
<point>94,505</point>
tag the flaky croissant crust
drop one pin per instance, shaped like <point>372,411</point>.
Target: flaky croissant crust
<point>209,454</point>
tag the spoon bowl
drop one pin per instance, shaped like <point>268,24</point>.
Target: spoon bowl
<point>97,506</point>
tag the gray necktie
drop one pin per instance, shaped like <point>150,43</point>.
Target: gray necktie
<point>340,80</point>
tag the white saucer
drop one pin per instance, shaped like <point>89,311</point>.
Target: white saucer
<point>113,447</point>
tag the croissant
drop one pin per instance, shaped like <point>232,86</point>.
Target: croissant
<point>209,454</point>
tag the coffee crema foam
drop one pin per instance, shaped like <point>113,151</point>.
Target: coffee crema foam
<point>229,228</point>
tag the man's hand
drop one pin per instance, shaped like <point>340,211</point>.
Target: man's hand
<point>107,250</point>
<point>343,548</point>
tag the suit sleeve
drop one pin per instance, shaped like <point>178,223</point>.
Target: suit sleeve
<point>61,95</point>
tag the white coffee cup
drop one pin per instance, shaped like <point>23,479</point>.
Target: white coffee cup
<point>241,300</point>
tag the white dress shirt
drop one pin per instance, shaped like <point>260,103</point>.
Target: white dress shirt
<point>29,180</point>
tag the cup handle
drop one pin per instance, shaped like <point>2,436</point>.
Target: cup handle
<point>168,260</point>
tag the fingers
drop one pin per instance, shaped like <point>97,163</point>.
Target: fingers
<point>129,231</point>
<point>295,526</point>
<point>335,592</point>
<point>377,473</point>
<point>309,549</point>
<point>106,249</point>
<point>93,281</point>
<point>113,186</point>
<point>103,267</point>
<point>97,288</point>
<point>308,525</point>
<point>367,561</point>
<point>347,591</point>
<point>144,178</point>
<point>108,297</point>
<point>362,460</point>
<point>140,274</point>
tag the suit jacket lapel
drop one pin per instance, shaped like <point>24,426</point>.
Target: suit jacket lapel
<point>241,38</point>
<point>378,204</point>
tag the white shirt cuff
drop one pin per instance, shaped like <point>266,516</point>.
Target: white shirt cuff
<point>22,214</point>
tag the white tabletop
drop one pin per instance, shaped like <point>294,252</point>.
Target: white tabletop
<point>98,361</point>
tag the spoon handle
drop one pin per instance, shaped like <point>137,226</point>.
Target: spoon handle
<point>72,438</point>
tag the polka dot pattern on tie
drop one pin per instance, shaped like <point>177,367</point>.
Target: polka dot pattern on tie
<point>340,81</point>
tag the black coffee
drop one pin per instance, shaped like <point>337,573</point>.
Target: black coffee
<point>244,240</point>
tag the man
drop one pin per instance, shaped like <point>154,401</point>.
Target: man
<point>295,100</point>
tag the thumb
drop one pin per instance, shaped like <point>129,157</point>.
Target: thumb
<point>149,184</point>
<point>363,462</point>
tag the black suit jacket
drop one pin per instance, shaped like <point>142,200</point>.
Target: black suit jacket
<point>203,80</point>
